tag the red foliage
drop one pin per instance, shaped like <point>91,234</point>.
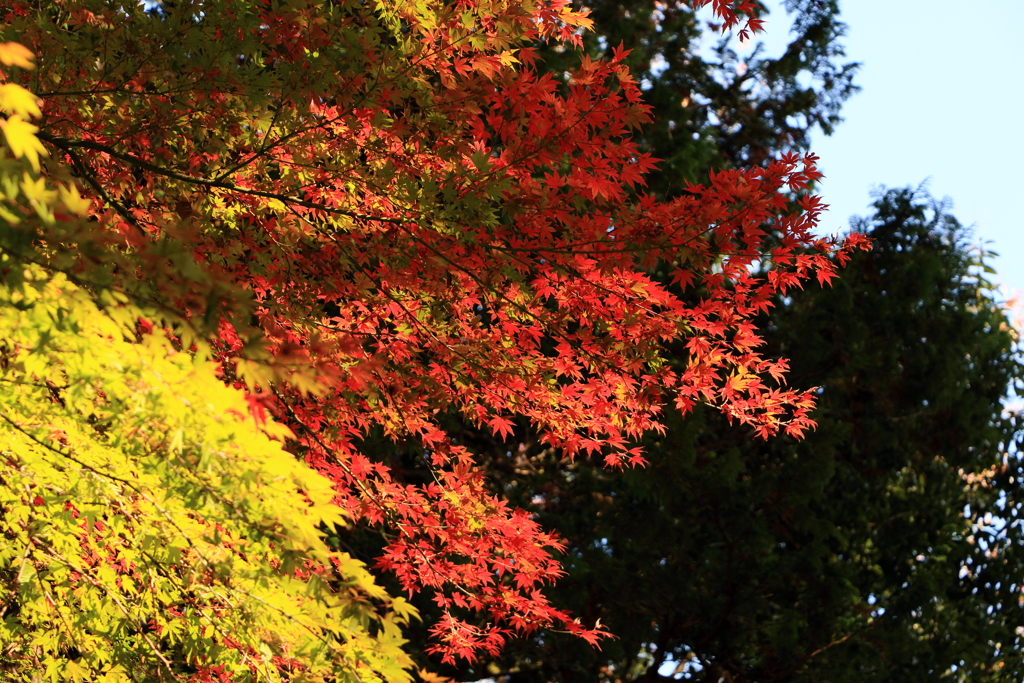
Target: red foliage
<point>429,224</point>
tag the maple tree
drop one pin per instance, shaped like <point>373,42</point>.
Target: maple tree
<point>368,216</point>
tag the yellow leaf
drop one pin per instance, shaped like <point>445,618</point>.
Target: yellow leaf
<point>21,138</point>
<point>9,217</point>
<point>404,609</point>
<point>16,100</point>
<point>74,671</point>
<point>35,189</point>
<point>10,186</point>
<point>116,674</point>
<point>73,201</point>
<point>740,381</point>
<point>16,54</point>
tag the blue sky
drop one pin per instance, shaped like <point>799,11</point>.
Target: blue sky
<point>942,101</point>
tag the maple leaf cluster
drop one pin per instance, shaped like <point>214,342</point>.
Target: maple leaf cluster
<point>391,213</point>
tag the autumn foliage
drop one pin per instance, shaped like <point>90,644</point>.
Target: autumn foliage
<point>375,215</point>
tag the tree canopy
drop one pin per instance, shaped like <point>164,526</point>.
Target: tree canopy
<point>326,326</point>
<point>243,239</point>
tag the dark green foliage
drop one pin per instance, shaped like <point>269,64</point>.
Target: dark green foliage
<point>837,558</point>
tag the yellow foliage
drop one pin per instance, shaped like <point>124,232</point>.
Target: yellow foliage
<point>22,140</point>
<point>148,518</point>
<point>14,99</point>
<point>15,54</point>
<point>149,522</point>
